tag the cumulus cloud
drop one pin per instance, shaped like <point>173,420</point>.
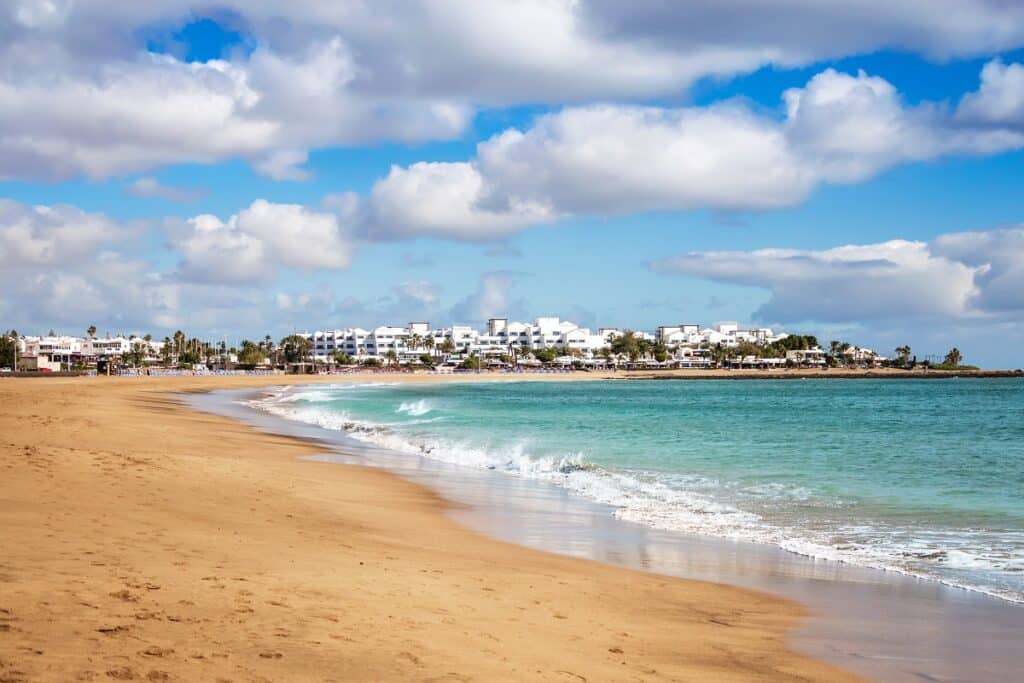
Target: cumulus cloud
<point>151,188</point>
<point>67,268</point>
<point>422,292</point>
<point>998,257</point>
<point>252,244</point>
<point>615,159</point>
<point>139,112</point>
<point>962,276</point>
<point>1000,99</point>
<point>492,298</point>
<point>51,235</point>
<point>612,159</point>
<point>284,164</point>
<point>443,199</point>
<point>80,95</point>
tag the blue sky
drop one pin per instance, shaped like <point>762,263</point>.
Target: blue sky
<point>241,168</point>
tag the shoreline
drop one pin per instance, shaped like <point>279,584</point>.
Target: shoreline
<point>845,599</point>
<point>273,419</point>
<point>578,375</point>
<point>828,374</point>
<point>154,541</point>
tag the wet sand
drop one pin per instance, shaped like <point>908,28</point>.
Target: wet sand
<point>146,541</point>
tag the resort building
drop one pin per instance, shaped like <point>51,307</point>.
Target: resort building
<point>810,357</point>
<point>76,351</point>
<point>502,342</point>
<point>688,344</point>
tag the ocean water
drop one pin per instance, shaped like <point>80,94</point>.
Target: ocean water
<point>924,477</point>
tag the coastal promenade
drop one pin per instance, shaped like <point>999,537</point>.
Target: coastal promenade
<point>145,541</point>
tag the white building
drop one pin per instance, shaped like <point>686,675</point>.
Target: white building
<point>687,343</point>
<point>80,350</point>
<point>814,357</point>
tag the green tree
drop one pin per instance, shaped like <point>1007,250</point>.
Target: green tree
<point>472,362</point>
<point>137,355</point>
<point>391,357</point>
<point>902,354</point>
<point>427,359</point>
<point>8,349</point>
<point>660,352</point>
<point>793,342</point>
<point>296,348</point>
<point>835,350</point>
<point>251,354</point>
<point>448,345</point>
<point>627,344</point>
<point>428,344</point>
<point>342,358</point>
<point>747,349</point>
<point>719,353</point>
<point>165,352</point>
<point>953,358</point>
<point>188,358</point>
<point>547,355</point>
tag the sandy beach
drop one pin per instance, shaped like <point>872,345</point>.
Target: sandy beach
<point>145,541</point>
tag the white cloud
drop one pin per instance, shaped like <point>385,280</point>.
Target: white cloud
<point>616,159</point>
<point>137,113</point>
<point>149,187</point>
<point>443,199</point>
<point>51,235</point>
<point>612,159</point>
<point>215,251</point>
<point>1000,99</point>
<point>960,276</point>
<point>284,164</point>
<point>253,243</point>
<point>291,303</point>
<point>421,292</point>
<point>492,298</point>
<point>65,268</point>
<point>998,256</point>
<point>78,95</point>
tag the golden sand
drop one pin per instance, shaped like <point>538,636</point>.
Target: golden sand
<point>144,541</point>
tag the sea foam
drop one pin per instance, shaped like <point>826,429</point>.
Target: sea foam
<point>670,501</point>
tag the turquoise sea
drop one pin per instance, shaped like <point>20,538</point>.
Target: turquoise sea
<point>924,477</point>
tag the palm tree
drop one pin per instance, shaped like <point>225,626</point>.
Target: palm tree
<point>954,357</point>
<point>903,354</point>
<point>428,343</point>
<point>448,345</point>
<point>415,341</point>
<point>391,356</point>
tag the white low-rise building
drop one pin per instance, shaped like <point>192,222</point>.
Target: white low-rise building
<point>687,343</point>
<point>813,356</point>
